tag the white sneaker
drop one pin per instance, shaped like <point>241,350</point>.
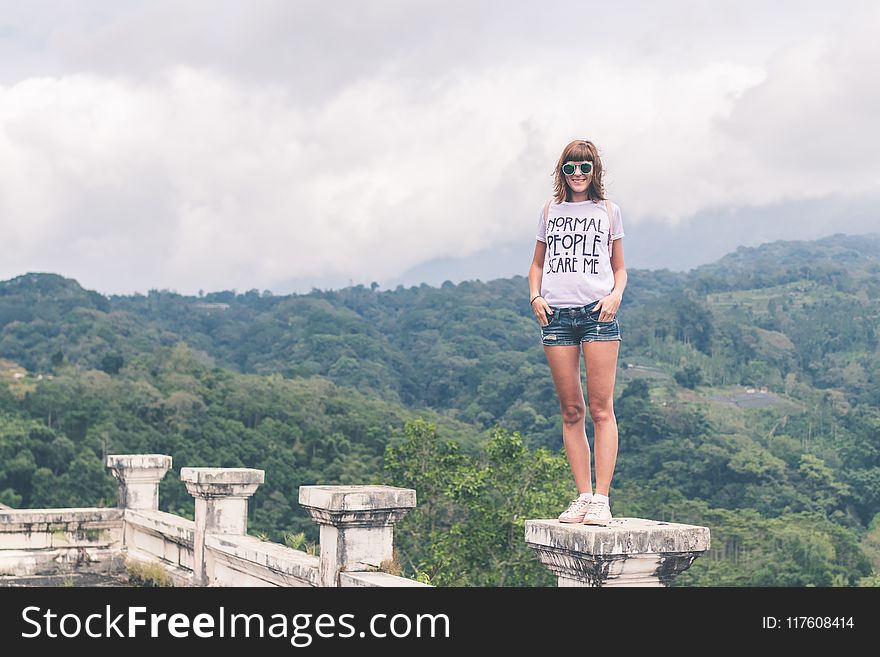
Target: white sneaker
<point>575,511</point>
<point>598,513</point>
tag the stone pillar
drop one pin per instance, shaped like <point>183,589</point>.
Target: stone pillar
<point>628,552</point>
<point>357,525</point>
<point>221,506</point>
<point>139,476</point>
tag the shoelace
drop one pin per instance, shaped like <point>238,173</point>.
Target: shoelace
<point>576,505</point>
<point>596,507</point>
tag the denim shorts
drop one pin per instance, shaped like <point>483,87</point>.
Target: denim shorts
<point>571,326</point>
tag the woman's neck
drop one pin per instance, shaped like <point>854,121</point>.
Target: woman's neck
<point>578,197</point>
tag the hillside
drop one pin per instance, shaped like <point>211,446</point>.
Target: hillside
<point>747,385</point>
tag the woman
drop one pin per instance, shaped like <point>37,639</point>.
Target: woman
<point>577,280</point>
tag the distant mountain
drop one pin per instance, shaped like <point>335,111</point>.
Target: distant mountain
<point>851,256</point>
<point>38,296</point>
<point>450,347</point>
<point>439,346</point>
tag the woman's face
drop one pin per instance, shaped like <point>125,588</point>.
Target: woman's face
<point>578,181</point>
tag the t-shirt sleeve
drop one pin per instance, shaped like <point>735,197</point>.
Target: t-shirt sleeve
<point>616,222</point>
<point>542,228</point>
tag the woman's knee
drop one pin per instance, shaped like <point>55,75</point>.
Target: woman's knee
<point>602,412</point>
<point>573,413</point>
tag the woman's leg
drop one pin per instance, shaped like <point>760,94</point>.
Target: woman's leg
<point>565,366</point>
<point>600,359</point>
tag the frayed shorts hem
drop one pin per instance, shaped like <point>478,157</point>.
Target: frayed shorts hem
<point>564,343</point>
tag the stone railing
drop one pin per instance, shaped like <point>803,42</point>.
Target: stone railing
<point>59,541</point>
<point>214,549</point>
<point>356,537</point>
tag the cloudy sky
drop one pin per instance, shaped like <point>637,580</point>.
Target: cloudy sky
<point>284,145</point>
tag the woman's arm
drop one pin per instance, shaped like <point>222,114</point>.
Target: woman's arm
<point>536,271</point>
<point>619,268</point>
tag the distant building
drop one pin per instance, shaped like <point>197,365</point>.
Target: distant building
<point>204,305</point>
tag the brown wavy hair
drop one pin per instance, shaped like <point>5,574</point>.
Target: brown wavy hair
<point>580,150</point>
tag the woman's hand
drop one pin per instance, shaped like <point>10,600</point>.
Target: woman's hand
<point>542,311</point>
<point>607,307</point>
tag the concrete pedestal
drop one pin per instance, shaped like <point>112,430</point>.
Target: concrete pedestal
<point>139,476</point>
<point>357,525</point>
<point>628,552</point>
<point>221,496</point>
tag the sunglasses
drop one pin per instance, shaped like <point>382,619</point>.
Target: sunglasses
<point>569,168</point>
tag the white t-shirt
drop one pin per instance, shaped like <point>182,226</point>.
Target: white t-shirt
<point>577,266</point>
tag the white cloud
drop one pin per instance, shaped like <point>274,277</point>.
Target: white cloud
<point>150,170</point>
<point>809,130</point>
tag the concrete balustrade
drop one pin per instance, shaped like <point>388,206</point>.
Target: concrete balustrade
<point>628,552</point>
<point>356,525</point>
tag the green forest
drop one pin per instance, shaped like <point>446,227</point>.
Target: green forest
<point>747,401</point>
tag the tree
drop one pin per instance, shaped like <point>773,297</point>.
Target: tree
<point>112,363</point>
<point>469,525</point>
<point>690,376</point>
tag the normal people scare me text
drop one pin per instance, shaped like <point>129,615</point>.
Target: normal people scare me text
<point>576,249</point>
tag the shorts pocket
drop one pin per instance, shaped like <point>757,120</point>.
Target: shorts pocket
<point>551,317</point>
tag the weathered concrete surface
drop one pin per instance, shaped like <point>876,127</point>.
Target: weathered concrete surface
<point>60,561</point>
<point>50,541</point>
<point>248,561</point>
<point>139,476</point>
<point>628,552</point>
<point>377,579</point>
<point>83,580</point>
<point>64,546</point>
<point>221,496</point>
<point>356,525</point>
<point>350,503</point>
<point>622,536</point>
<point>37,521</point>
<point>157,537</point>
<point>223,481</point>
